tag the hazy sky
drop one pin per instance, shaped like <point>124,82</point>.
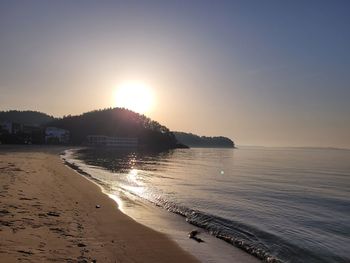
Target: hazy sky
<point>261,72</point>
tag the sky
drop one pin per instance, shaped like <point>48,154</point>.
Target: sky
<point>267,73</point>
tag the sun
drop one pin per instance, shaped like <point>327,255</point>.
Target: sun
<point>135,96</point>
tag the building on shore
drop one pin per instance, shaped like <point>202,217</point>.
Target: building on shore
<point>122,142</point>
<point>18,133</point>
<point>11,127</point>
<point>55,135</point>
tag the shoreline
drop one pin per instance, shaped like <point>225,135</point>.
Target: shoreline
<point>173,225</point>
<point>51,213</point>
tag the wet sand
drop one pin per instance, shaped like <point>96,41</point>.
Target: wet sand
<point>48,213</point>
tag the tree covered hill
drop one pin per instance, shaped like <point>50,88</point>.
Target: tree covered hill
<point>193,140</point>
<point>117,122</point>
<point>33,118</point>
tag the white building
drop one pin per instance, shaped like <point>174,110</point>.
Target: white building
<point>56,135</point>
<point>122,142</point>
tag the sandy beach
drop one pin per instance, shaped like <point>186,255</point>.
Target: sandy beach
<point>49,214</point>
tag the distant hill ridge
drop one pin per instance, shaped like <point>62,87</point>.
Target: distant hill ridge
<point>28,117</point>
<point>193,140</point>
<point>116,122</point>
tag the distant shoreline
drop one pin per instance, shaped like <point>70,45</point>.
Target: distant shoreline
<point>295,147</point>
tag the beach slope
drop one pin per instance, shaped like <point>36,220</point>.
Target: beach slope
<point>48,213</point>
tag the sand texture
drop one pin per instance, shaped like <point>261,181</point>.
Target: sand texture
<point>48,214</point>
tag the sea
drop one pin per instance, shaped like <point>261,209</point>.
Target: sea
<point>273,204</point>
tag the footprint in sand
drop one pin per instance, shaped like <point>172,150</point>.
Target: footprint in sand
<point>25,252</point>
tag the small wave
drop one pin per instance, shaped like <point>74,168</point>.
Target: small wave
<point>237,234</point>
<point>248,238</point>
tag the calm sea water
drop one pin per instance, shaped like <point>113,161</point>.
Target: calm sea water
<point>281,205</point>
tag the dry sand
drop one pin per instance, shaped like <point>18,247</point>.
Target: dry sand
<point>48,213</point>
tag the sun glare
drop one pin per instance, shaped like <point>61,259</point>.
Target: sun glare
<point>134,96</point>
